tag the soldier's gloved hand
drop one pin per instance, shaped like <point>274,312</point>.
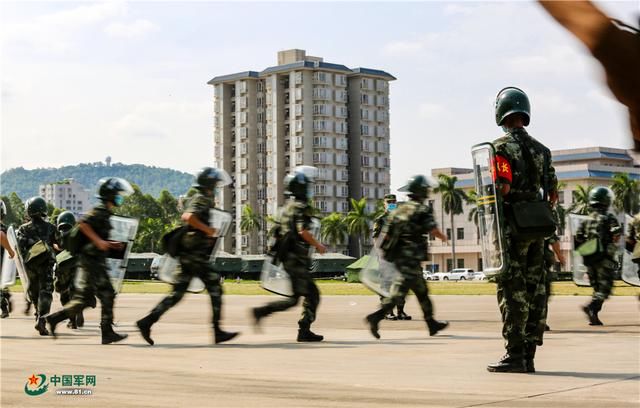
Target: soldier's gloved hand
<point>103,245</point>
<point>116,246</point>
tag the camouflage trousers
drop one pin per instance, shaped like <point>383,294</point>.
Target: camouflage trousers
<point>63,283</point>
<point>192,266</point>
<point>92,280</point>
<point>601,280</point>
<point>409,279</point>
<point>5,299</point>
<point>522,296</point>
<point>41,288</point>
<point>303,286</point>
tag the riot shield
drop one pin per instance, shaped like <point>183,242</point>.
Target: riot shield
<point>8,277</point>
<point>221,221</point>
<point>275,279</point>
<point>630,272</point>
<point>169,268</point>
<point>123,229</point>
<point>488,208</point>
<point>378,274</point>
<point>19,262</point>
<point>315,231</point>
<point>578,269</point>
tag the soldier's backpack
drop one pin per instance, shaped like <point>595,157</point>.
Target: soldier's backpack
<point>172,240</point>
<point>75,240</point>
<point>281,243</point>
<point>392,232</point>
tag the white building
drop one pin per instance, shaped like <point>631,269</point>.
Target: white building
<point>67,194</point>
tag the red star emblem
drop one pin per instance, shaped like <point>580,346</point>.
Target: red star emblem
<point>33,380</point>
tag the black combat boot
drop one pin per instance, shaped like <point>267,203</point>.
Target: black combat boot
<point>144,325</point>
<point>390,316</point>
<point>80,319</point>
<point>5,309</point>
<point>257,313</point>
<point>592,314</point>
<point>402,315</point>
<point>72,323</point>
<point>220,336</point>
<point>41,326</point>
<point>547,328</point>
<point>373,320</point>
<point>509,363</point>
<point>435,326</point>
<point>108,335</point>
<point>53,320</point>
<point>27,308</point>
<point>305,335</point>
<point>529,354</point>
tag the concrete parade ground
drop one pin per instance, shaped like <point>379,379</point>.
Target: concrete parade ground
<point>579,365</point>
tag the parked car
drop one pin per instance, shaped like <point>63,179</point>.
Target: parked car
<point>428,275</point>
<point>457,274</point>
<point>479,276</point>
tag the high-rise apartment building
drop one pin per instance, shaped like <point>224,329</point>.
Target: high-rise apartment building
<point>67,194</point>
<point>303,111</point>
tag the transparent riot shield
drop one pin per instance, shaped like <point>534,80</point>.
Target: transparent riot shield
<point>630,272</point>
<point>489,209</point>
<point>8,277</point>
<point>168,270</point>
<point>123,230</point>
<point>578,269</point>
<point>378,274</point>
<point>19,262</point>
<point>275,279</point>
<point>315,231</point>
<point>221,221</point>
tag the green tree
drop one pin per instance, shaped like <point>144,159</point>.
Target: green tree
<point>169,205</point>
<point>472,199</point>
<point>452,200</point>
<point>250,221</point>
<point>150,215</point>
<point>580,200</point>
<point>626,194</point>
<point>15,210</point>
<point>334,230</point>
<point>358,222</point>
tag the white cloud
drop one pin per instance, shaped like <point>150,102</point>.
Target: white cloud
<point>137,28</point>
<point>555,59</point>
<point>57,32</point>
<point>453,9</point>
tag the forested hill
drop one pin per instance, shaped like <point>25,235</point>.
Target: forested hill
<point>151,180</point>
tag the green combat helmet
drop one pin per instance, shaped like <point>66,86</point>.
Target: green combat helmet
<point>599,198</point>
<point>210,178</point>
<point>114,190</point>
<point>66,221</point>
<point>36,207</point>
<point>418,186</point>
<point>512,100</point>
<point>297,186</point>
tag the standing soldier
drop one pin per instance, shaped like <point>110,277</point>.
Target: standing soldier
<point>196,247</point>
<point>522,169</point>
<point>405,245</point>
<point>390,204</point>
<point>36,240</point>
<point>66,264</point>
<point>633,241</point>
<point>5,294</point>
<point>92,242</point>
<point>596,240</point>
<point>295,241</point>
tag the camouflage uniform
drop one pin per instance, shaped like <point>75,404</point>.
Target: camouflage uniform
<point>296,215</point>
<point>601,271</point>
<point>634,235</point>
<point>521,289</point>
<point>378,224</point>
<point>5,294</point>
<point>92,276</point>
<point>417,221</point>
<point>39,269</point>
<point>196,248</point>
<point>549,265</point>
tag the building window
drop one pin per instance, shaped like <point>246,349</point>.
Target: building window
<point>449,234</point>
<point>364,99</point>
<point>460,263</point>
<point>480,267</point>
<point>459,233</point>
<point>449,264</point>
<point>560,197</point>
<point>364,130</point>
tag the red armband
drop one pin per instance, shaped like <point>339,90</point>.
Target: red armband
<point>503,169</point>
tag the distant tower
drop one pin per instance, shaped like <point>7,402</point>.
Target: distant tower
<point>108,161</point>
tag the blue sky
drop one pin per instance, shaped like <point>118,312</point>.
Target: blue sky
<point>84,80</point>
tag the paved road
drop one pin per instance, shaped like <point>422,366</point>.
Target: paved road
<point>579,366</point>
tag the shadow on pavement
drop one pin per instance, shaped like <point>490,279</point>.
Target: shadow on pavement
<point>604,376</point>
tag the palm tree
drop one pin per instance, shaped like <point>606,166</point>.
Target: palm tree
<point>452,199</point>
<point>357,221</point>
<point>580,200</point>
<point>472,199</point>
<point>250,221</point>
<point>626,191</point>
<point>334,230</point>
